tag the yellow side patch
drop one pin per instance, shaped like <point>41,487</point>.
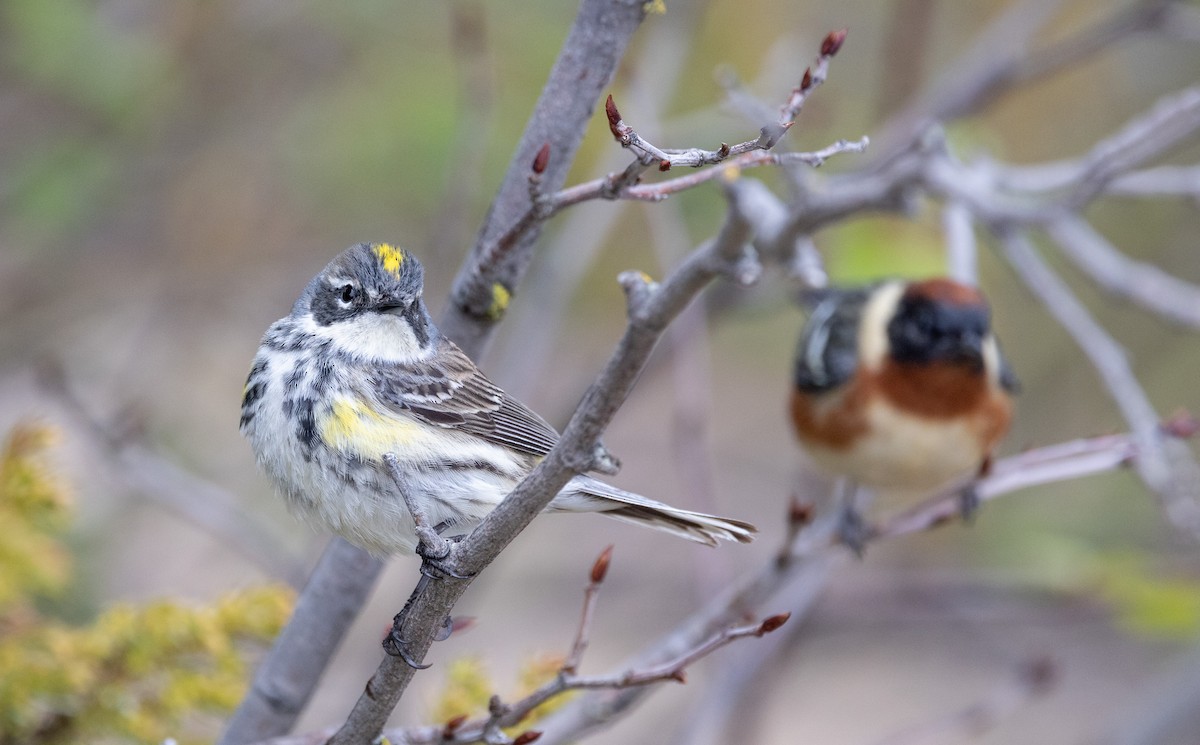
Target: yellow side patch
<point>352,428</point>
<point>390,257</point>
<point>500,298</point>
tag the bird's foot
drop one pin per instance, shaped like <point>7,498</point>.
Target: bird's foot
<point>437,556</point>
<point>852,530</point>
<point>969,501</point>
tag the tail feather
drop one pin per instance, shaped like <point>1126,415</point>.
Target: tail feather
<point>585,494</point>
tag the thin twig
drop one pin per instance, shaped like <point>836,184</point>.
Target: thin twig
<point>660,190</point>
<point>595,579</point>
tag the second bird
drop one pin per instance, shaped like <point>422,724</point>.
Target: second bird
<point>901,387</point>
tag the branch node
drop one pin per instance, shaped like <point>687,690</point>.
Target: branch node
<point>604,462</point>
<point>744,270</point>
<point>639,287</point>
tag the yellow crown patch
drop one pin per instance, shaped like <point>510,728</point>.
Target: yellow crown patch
<point>390,257</point>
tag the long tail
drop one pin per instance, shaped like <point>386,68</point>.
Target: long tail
<point>585,494</point>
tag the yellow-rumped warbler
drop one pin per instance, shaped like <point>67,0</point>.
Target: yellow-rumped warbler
<point>358,370</point>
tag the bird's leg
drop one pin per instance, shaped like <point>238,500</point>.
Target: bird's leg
<point>968,501</point>
<point>852,529</point>
<point>968,496</point>
<point>434,550</point>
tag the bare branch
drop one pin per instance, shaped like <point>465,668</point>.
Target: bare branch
<point>1165,467</point>
<point>1162,181</point>
<point>1146,285</point>
<point>801,569</point>
<point>962,254</point>
<point>599,188</point>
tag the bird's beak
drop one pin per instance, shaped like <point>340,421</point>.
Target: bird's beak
<point>392,304</point>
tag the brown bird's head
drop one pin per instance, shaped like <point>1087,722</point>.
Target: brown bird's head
<point>940,320</point>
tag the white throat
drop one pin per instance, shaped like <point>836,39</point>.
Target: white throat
<point>375,336</point>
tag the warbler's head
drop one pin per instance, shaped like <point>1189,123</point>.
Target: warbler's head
<point>368,302</point>
<point>939,320</point>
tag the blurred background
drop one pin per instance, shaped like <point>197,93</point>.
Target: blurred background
<point>172,174</point>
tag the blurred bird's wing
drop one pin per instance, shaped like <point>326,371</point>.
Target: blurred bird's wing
<point>1008,377</point>
<point>449,391</point>
<point>828,349</point>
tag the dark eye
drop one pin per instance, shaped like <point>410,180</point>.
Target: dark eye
<point>348,293</point>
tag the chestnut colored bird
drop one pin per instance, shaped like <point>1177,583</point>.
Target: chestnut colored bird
<point>901,387</point>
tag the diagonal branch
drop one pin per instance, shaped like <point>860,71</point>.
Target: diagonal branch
<point>1164,466</point>
<point>1144,284</point>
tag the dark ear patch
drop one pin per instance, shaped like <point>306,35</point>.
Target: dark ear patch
<point>326,308</point>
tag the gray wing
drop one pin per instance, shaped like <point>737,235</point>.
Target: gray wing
<point>828,349</point>
<point>449,391</point>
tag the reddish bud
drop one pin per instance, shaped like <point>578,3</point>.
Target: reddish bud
<point>833,42</point>
<point>526,737</point>
<point>614,117</point>
<point>774,622</point>
<point>600,568</point>
<point>723,151</point>
<point>800,513</point>
<point>664,165</point>
<point>679,676</point>
<point>541,159</point>
<point>806,81</point>
<point>1182,425</point>
<point>452,726</point>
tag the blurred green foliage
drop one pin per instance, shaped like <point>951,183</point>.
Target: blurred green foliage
<point>137,673</point>
<point>468,688</point>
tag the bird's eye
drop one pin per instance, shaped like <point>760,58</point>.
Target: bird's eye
<point>347,294</point>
